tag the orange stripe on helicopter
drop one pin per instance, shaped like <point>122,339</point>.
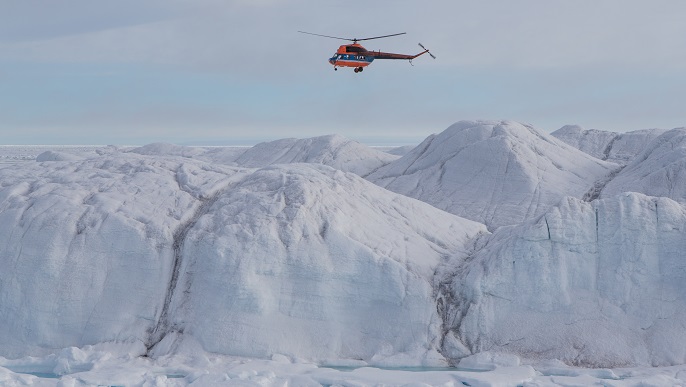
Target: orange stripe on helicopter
<point>350,63</point>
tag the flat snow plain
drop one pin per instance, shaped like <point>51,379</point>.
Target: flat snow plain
<point>280,265</point>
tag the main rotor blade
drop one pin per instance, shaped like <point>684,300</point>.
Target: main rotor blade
<point>327,36</point>
<point>379,37</point>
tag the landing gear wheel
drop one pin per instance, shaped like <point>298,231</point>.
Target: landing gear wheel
<point>357,69</point>
<point>335,69</point>
<point>360,69</point>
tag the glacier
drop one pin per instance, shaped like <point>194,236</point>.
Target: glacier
<point>532,257</point>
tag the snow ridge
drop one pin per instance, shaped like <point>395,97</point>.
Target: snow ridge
<point>494,172</point>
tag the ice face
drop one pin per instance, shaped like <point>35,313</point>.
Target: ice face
<point>87,246</point>
<point>318,264</point>
<point>593,284</point>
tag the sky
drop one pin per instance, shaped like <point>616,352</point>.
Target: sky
<point>237,72</point>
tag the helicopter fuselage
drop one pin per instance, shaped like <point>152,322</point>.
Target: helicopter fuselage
<point>351,55</point>
<point>354,55</point>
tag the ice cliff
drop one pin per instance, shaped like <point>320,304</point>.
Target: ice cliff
<point>594,284</point>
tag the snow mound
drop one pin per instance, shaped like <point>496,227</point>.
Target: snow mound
<point>166,149</point>
<point>660,170</point>
<point>332,150</point>
<point>618,148</point>
<point>311,262</point>
<point>56,156</point>
<point>401,150</point>
<point>596,284</point>
<point>497,173</point>
<point>220,154</point>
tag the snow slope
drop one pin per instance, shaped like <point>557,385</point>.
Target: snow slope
<point>618,148</point>
<point>598,284</point>
<point>494,172</point>
<point>332,150</point>
<point>660,170</point>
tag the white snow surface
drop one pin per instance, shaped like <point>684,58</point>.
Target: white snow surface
<point>494,172</point>
<point>333,150</point>
<point>122,364</point>
<point>615,147</point>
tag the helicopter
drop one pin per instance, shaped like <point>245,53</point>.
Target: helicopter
<point>356,56</point>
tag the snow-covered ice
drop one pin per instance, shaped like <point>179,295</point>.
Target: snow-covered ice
<point>281,264</point>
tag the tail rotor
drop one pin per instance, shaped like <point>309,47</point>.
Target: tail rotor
<point>427,50</point>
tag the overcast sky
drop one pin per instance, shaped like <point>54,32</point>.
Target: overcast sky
<point>238,72</point>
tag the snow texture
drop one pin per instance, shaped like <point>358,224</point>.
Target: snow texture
<point>618,148</point>
<point>497,173</point>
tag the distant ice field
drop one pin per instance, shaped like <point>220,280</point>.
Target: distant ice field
<point>10,154</point>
